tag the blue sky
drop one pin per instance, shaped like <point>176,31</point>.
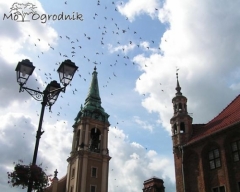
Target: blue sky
<point>137,48</point>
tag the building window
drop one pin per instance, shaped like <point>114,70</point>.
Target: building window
<point>239,186</point>
<point>219,189</point>
<point>95,140</point>
<point>180,107</point>
<point>214,159</point>
<point>93,188</point>
<point>236,150</point>
<point>73,172</point>
<point>174,129</point>
<point>182,127</point>
<point>94,172</point>
<point>71,189</point>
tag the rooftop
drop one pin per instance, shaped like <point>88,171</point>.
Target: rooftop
<point>229,116</point>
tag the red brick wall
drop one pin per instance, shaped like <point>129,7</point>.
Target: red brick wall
<point>197,173</point>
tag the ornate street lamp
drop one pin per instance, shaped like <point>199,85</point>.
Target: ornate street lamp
<point>48,97</point>
<point>66,71</point>
<point>24,69</point>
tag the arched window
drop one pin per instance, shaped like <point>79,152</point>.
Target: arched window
<point>180,107</point>
<point>236,150</point>
<point>182,127</point>
<point>174,129</point>
<point>232,146</point>
<point>214,158</point>
<point>95,140</point>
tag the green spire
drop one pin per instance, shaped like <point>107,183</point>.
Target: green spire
<point>92,106</point>
<point>93,98</point>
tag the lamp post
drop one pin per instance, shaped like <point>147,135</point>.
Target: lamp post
<point>47,97</point>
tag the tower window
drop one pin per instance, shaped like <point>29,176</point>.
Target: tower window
<point>239,186</point>
<point>174,129</point>
<point>71,189</point>
<point>180,107</point>
<point>219,189</point>
<point>94,172</point>
<point>182,127</point>
<point>214,159</point>
<point>236,150</point>
<point>95,140</point>
<point>93,188</point>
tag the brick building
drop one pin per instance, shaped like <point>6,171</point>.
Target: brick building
<point>207,156</point>
<point>153,184</point>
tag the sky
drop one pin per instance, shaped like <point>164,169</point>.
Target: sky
<point>137,47</point>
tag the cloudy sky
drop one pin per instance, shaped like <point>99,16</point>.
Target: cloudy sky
<point>136,45</point>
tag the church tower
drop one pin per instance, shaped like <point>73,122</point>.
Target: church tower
<point>181,124</point>
<point>88,163</point>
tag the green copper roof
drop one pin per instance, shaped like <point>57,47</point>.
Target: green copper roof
<point>93,97</point>
<point>92,106</point>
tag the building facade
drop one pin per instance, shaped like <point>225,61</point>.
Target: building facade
<point>206,156</point>
<point>88,164</point>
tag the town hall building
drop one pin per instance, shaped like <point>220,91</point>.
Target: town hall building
<point>206,156</point>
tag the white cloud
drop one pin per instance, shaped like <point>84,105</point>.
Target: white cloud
<point>132,164</point>
<point>137,145</point>
<point>17,135</point>
<point>12,44</point>
<point>123,48</point>
<point>134,8</point>
<point>146,46</point>
<point>202,40</point>
<point>235,86</point>
<point>13,41</point>
<point>143,124</point>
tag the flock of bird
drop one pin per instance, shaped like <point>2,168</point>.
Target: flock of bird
<point>93,48</point>
<point>107,31</point>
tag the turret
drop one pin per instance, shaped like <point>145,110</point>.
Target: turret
<point>181,122</point>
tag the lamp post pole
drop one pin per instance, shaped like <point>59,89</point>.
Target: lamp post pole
<point>48,97</point>
<point>38,136</point>
<point>39,132</point>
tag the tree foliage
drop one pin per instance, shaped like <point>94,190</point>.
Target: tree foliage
<point>22,173</point>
